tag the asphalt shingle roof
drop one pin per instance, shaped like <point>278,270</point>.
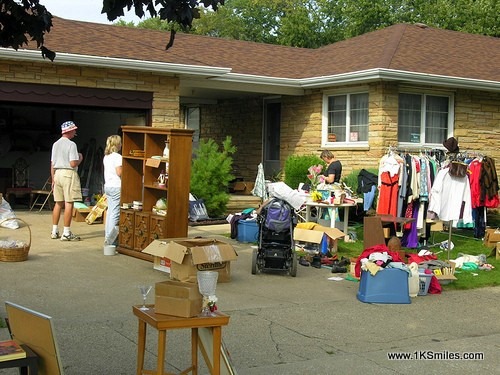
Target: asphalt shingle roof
<point>405,47</point>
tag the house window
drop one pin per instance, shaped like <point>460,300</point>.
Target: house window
<point>347,120</point>
<point>423,118</point>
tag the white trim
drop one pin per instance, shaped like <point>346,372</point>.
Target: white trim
<point>345,145</point>
<point>114,63</point>
<point>359,89</point>
<point>371,75</point>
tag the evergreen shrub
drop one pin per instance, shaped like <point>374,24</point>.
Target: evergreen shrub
<point>296,167</point>
<point>211,174</point>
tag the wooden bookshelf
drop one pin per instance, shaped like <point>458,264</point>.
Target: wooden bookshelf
<point>139,183</point>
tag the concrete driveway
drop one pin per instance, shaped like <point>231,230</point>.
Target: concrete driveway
<point>279,324</point>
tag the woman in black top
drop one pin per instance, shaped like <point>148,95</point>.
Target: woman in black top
<point>334,167</point>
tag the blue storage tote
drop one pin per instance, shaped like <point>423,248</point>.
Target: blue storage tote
<point>248,231</point>
<point>389,285</point>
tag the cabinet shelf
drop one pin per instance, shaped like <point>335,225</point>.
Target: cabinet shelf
<point>155,187</point>
<point>132,157</point>
<point>139,228</point>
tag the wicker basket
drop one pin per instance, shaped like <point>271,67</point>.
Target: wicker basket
<point>16,254</point>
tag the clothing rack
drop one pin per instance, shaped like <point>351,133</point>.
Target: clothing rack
<point>432,151</point>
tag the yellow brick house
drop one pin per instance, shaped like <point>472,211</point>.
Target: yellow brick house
<point>406,86</point>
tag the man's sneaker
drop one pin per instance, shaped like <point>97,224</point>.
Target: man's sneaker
<point>54,236</point>
<point>69,237</point>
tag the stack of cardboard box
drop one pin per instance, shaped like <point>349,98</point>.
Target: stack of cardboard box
<point>182,258</point>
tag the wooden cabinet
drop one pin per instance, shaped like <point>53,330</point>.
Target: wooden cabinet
<point>140,173</point>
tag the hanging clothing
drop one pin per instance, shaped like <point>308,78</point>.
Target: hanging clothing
<point>388,194</point>
<point>424,178</point>
<point>479,215</point>
<point>447,195</point>
<point>475,188</point>
<point>367,185</point>
<point>390,167</point>
<point>260,189</point>
<point>410,237</point>
<point>403,187</point>
<point>489,183</point>
<point>414,192</point>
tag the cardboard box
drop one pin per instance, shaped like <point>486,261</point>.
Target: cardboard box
<point>491,237</point>
<point>188,255</point>
<point>243,187</point>
<point>315,235</point>
<point>178,298</point>
<point>446,276</point>
<point>162,264</point>
<point>79,214</point>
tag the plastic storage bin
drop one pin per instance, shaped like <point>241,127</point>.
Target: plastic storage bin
<point>425,281</point>
<point>389,285</point>
<point>248,231</point>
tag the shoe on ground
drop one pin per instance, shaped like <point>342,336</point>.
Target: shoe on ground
<point>331,256</point>
<point>70,237</point>
<point>54,236</point>
<point>304,262</point>
<point>316,262</point>
<point>344,262</point>
<point>338,269</point>
<point>327,261</point>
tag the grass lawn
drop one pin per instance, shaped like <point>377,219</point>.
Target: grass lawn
<point>464,242</point>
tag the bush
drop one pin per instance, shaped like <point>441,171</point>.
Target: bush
<point>211,174</point>
<point>296,167</point>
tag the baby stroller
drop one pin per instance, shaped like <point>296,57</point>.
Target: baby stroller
<point>276,248</point>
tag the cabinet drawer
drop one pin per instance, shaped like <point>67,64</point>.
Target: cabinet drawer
<point>126,236</point>
<point>141,238</point>
<point>157,227</point>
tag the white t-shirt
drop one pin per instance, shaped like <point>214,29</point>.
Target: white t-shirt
<point>111,161</point>
<point>63,151</point>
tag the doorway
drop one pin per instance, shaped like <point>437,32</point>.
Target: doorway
<point>272,137</point>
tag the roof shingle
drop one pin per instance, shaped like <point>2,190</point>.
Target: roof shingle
<point>401,47</point>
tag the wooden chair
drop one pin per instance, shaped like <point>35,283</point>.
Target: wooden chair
<point>20,181</point>
<point>41,197</point>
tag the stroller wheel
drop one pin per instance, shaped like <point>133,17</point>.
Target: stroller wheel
<point>293,266</point>
<point>254,261</point>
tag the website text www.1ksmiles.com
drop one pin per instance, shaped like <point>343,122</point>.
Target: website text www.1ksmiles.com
<point>429,355</point>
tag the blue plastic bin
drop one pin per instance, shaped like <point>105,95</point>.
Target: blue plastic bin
<point>425,282</point>
<point>248,231</point>
<point>389,285</point>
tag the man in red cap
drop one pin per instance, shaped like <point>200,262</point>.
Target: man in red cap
<point>64,163</point>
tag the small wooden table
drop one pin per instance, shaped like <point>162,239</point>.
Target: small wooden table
<point>397,223</point>
<point>163,323</point>
<point>27,366</point>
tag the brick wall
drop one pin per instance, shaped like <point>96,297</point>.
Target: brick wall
<point>477,127</point>
<point>242,121</point>
<point>477,115</point>
<point>165,111</point>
